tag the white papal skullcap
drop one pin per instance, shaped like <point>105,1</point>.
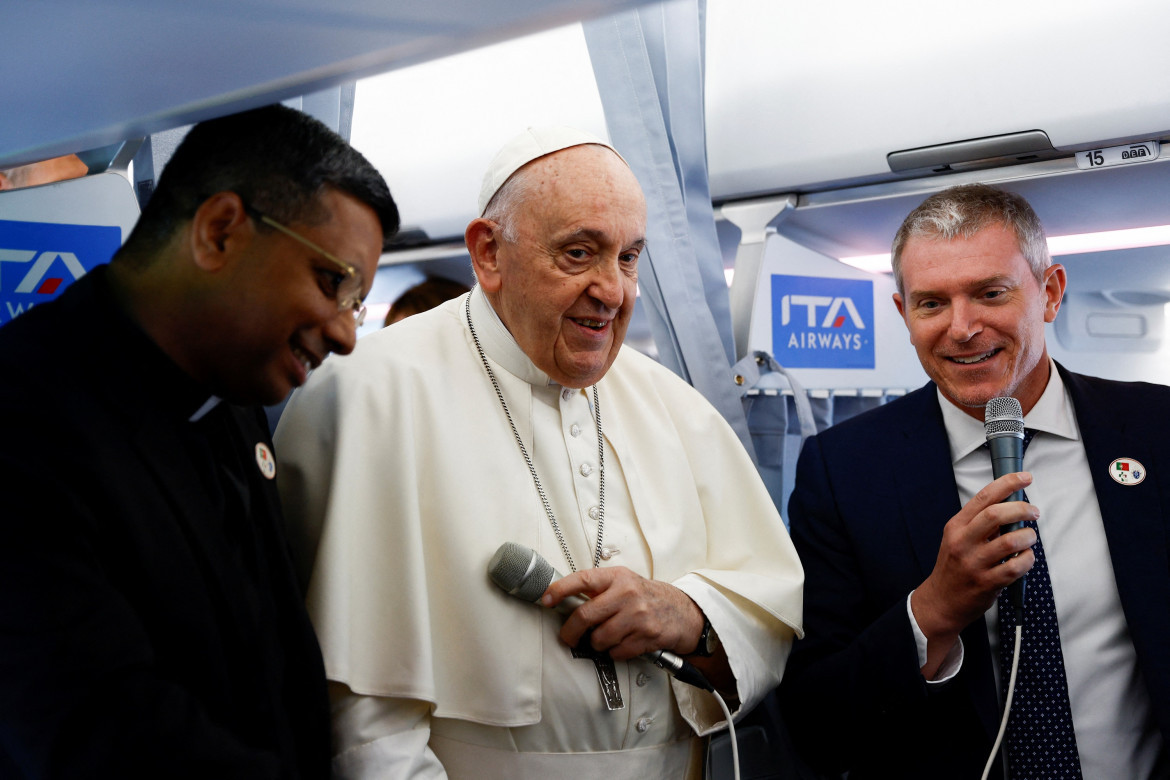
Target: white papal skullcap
<point>533,143</point>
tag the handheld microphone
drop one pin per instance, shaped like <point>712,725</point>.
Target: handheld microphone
<point>524,573</point>
<point>1003,421</point>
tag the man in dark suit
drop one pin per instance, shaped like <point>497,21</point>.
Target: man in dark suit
<point>896,518</point>
<point>150,621</point>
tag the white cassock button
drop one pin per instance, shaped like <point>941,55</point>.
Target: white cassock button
<point>586,469</point>
<point>593,513</point>
<point>641,679</point>
<point>566,393</point>
<point>643,725</point>
<point>608,552</point>
<point>575,430</point>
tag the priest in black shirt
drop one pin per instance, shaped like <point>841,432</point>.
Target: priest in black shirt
<point>150,622</point>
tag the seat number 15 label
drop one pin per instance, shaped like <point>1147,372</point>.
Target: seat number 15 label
<point>1144,151</point>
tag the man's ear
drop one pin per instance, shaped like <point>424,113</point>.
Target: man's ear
<point>1055,281</point>
<point>483,244</point>
<point>219,227</point>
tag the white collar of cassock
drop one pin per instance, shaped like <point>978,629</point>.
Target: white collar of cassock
<point>1053,413</point>
<point>499,345</point>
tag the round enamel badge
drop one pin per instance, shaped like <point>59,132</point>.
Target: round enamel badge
<point>265,460</point>
<point>1127,471</point>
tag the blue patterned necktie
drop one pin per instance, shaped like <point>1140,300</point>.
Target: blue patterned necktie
<point>1040,741</point>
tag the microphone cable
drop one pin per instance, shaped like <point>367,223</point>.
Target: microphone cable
<point>1007,702</point>
<point>692,676</point>
<point>730,733</point>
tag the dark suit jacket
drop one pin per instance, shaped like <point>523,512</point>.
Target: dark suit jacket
<point>142,634</point>
<point>871,498</point>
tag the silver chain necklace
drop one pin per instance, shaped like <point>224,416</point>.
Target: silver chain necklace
<point>532,469</point>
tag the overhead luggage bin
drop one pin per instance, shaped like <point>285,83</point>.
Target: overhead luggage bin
<point>982,152</point>
<point>81,75</point>
<point>1070,200</point>
<point>814,96</point>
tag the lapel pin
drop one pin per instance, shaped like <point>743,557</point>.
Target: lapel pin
<point>1127,471</point>
<point>265,460</point>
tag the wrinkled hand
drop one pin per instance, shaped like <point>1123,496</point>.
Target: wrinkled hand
<point>628,613</point>
<point>974,562</point>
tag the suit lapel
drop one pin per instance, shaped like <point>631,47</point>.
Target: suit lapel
<point>924,476</point>
<point>930,497</point>
<point>1134,518</point>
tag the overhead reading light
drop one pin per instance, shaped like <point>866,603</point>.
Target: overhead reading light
<point>1105,241</point>
<point>875,264</point>
<point>1133,238</point>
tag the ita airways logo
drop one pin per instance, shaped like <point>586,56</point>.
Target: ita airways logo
<point>822,323</point>
<point>1127,471</point>
<point>39,260</point>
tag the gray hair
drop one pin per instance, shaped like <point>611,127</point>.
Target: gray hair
<point>964,211</point>
<point>509,199</point>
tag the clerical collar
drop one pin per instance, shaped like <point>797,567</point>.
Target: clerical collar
<point>1053,413</point>
<point>499,344</point>
<point>207,406</point>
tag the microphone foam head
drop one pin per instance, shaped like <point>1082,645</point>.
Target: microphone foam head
<point>1003,417</point>
<point>521,571</point>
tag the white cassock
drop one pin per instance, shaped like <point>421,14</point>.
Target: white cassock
<point>400,477</point>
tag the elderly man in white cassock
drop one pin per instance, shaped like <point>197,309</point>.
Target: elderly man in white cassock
<point>512,414</point>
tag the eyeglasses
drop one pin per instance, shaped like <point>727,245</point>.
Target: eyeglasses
<point>347,288</point>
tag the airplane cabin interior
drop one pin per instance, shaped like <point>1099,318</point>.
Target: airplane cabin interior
<point>794,136</point>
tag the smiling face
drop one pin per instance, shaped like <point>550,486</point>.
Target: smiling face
<point>565,283</point>
<point>281,318</point>
<point>976,315</point>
